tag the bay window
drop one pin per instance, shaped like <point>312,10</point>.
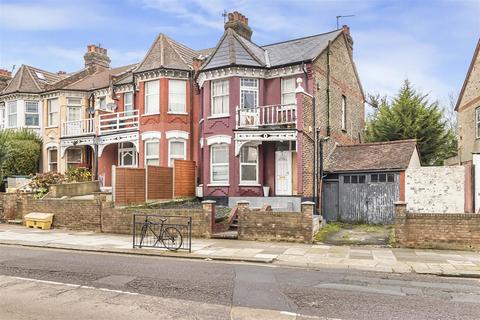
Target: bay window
<point>249,165</point>
<point>248,93</point>
<point>177,96</point>
<point>152,97</point>
<point>152,153</point>
<point>176,150</point>
<point>12,113</point>
<point>32,117</point>
<point>220,96</point>
<point>52,111</point>
<point>219,164</point>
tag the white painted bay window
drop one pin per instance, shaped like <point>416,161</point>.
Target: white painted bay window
<point>152,152</point>
<point>53,159</point>
<point>249,165</point>
<point>288,91</point>
<point>127,155</point>
<point>128,103</point>
<point>32,117</point>
<point>152,97</point>
<point>177,149</point>
<point>248,93</point>
<point>52,112</point>
<point>220,96</point>
<point>74,157</point>
<point>12,113</point>
<point>219,164</point>
<point>177,96</point>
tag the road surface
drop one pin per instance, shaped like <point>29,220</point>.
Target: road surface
<point>57,284</point>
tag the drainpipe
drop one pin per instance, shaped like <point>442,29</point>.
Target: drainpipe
<point>315,159</point>
<point>328,88</point>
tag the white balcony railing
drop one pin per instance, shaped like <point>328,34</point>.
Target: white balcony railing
<point>78,127</point>
<point>274,115</point>
<point>118,121</point>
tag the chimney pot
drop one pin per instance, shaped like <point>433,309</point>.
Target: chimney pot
<point>96,57</point>
<point>239,23</point>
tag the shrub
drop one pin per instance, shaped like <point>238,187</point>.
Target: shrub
<point>78,174</point>
<point>41,182</point>
<point>22,157</point>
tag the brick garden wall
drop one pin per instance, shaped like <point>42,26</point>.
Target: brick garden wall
<point>436,230</point>
<point>279,226</point>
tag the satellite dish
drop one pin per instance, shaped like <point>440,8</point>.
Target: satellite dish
<point>111,106</point>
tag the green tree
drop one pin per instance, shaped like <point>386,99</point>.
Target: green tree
<point>410,115</point>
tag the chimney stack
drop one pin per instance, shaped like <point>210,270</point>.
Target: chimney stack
<point>346,32</point>
<point>239,23</point>
<point>96,57</point>
<point>5,77</point>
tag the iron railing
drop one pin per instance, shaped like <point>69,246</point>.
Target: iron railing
<point>156,231</point>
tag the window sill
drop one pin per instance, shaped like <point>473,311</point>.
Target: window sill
<point>218,185</point>
<point>219,116</point>
<point>51,127</point>
<point>150,114</point>
<point>178,113</point>
<point>249,184</point>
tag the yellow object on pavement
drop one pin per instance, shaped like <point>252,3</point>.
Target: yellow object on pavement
<point>39,220</point>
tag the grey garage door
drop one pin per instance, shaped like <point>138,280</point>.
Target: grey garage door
<point>367,198</point>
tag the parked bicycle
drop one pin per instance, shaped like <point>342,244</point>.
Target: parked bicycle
<point>170,237</point>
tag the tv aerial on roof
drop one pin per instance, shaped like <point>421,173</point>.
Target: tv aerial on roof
<point>346,16</point>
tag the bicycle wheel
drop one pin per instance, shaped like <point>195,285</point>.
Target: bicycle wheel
<point>172,238</point>
<point>142,234</point>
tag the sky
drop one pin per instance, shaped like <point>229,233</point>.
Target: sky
<point>430,42</point>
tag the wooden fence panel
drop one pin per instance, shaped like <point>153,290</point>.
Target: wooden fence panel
<point>159,183</point>
<point>129,186</point>
<point>184,178</point>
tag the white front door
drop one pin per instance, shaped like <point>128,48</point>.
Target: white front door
<point>283,173</point>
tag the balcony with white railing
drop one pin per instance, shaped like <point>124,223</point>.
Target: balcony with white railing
<point>118,122</point>
<point>78,128</point>
<point>267,116</point>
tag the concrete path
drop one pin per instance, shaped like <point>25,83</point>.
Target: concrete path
<point>439,262</point>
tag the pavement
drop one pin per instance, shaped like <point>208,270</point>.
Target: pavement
<point>367,258</point>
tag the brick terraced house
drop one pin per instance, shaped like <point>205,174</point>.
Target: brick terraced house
<point>256,119</point>
<point>265,109</point>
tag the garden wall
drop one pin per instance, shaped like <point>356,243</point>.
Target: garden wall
<point>277,226</point>
<point>73,189</point>
<point>436,230</point>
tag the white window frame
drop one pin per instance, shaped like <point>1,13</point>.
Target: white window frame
<point>247,88</point>
<point>154,156</point>
<point>182,94</point>
<point>285,93</point>
<point>73,104</point>
<point>344,113</point>
<point>123,149</point>
<point>242,164</point>
<point>52,116</point>
<point>34,114</point>
<point>176,157</point>
<point>220,96</point>
<point>50,162</point>
<point>226,164</point>
<point>477,122</point>
<point>10,114</point>
<point>72,163</point>
<point>128,107</point>
<point>147,110</point>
